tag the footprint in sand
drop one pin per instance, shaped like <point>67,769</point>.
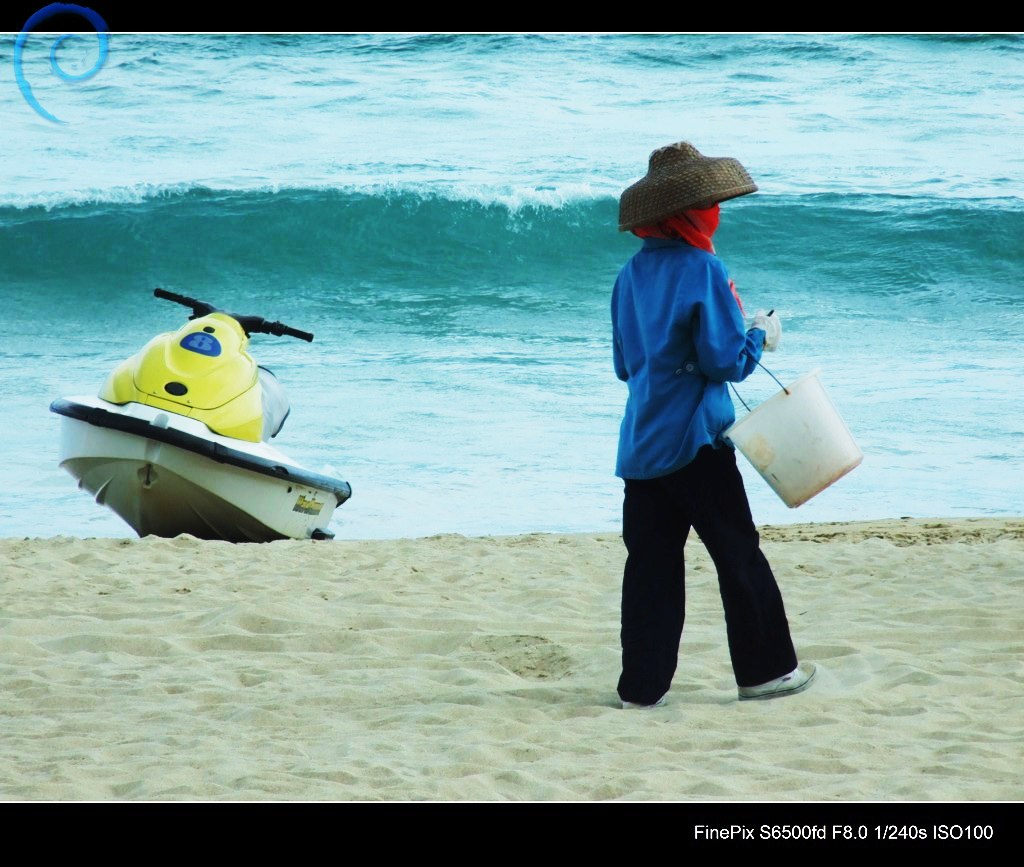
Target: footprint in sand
<point>131,645</point>
<point>258,625</point>
<point>528,656</point>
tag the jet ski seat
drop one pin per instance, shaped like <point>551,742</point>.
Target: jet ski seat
<point>275,403</point>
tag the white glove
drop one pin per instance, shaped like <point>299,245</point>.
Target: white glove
<point>771,325</point>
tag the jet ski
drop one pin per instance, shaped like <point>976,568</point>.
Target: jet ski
<point>178,439</point>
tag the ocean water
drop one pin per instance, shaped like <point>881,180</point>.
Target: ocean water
<point>441,211</point>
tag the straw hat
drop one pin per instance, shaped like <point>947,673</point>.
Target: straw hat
<point>680,177</point>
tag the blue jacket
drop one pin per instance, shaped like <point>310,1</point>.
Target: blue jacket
<point>678,338</point>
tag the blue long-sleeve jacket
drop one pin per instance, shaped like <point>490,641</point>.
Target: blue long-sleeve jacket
<point>678,338</point>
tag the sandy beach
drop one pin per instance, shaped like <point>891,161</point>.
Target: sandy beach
<point>454,668</point>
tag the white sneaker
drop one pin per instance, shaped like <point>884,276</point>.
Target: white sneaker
<point>632,705</point>
<point>789,684</point>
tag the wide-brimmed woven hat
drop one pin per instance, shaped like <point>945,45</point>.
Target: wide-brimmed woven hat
<point>680,177</point>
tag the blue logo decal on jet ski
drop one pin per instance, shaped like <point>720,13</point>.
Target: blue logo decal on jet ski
<point>204,344</point>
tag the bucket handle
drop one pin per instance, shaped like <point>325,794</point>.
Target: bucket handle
<point>766,370</point>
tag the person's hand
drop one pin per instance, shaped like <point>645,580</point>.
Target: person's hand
<point>771,325</point>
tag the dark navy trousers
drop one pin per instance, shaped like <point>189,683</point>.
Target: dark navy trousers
<point>707,495</point>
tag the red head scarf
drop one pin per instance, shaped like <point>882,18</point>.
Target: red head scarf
<point>693,226</point>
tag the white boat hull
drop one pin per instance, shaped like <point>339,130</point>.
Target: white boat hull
<point>153,475</point>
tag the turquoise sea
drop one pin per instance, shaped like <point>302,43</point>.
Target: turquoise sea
<point>441,211</point>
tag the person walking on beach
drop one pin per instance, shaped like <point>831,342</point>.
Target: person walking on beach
<point>678,339</point>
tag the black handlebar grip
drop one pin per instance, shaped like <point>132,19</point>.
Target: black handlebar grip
<point>282,330</point>
<point>199,308</point>
<point>174,296</point>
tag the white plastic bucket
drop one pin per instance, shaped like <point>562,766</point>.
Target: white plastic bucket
<point>798,442</point>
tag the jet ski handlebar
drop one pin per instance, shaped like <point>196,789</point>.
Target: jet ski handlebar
<point>251,324</point>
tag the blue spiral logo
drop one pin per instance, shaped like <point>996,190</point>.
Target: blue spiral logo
<point>42,15</point>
